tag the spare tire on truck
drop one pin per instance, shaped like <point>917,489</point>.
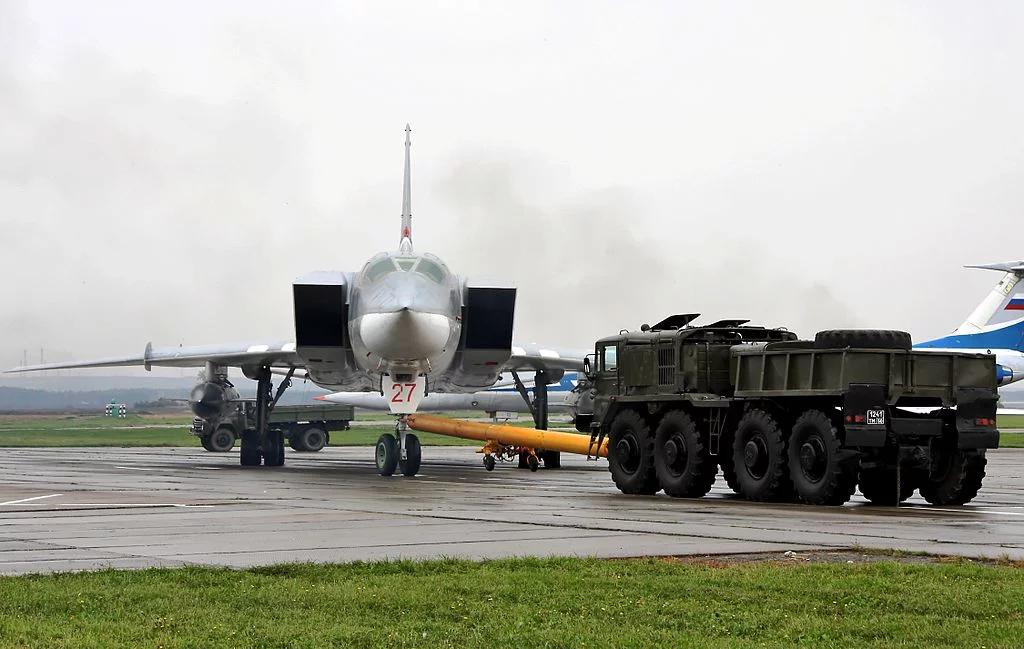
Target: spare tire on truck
<point>862,339</point>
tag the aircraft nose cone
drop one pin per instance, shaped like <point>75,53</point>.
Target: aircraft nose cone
<point>405,335</point>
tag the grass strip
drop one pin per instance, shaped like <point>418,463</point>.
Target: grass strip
<point>1011,440</point>
<point>523,603</point>
<point>1010,421</point>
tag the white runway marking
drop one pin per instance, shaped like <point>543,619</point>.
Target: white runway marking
<point>971,511</point>
<point>133,468</point>
<point>137,505</point>
<point>25,500</point>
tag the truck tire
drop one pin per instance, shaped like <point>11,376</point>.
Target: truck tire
<point>817,467</point>
<point>631,454</point>
<point>681,461</point>
<point>956,479</point>
<point>311,439</point>
<point>759,455</point>
<point>222,440</point>
<point>862,339</point>
<point>878,485</point>
<point>205,440</point>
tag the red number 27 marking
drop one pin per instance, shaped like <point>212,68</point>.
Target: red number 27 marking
<point>401,395</point>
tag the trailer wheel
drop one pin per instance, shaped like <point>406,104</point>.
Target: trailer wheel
<point>523,456</point>
<point>410,466</point>
<point>955,478</point>
<point>862,339</point>
<point>311,439</point>
<point>386,454</point>
<point>631,454</point>
<point>222,440</point>
<point>879,485</point>
<point>817,468</point>
<point>532,462</point>
<point>759,455</point>
<point>681,461</point>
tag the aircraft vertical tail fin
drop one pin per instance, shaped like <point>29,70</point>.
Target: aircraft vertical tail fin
<point>999,298</point>
<point>405,243</point>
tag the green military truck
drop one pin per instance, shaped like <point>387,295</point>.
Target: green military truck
<point>786,418</point>
<point>305,427</point>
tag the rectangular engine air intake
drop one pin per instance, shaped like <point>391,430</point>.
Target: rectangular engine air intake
<point>321,315</point>
<point>489,314</point>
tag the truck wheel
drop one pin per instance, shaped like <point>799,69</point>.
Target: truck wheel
<point>205,440</point>
<point>311,439</point>
<point>955,477</point>
<point>410,466</point>
<point>759,455</point>
<point>631,454</point>
<point>222,440</point>
<point>817,468</point>
<point>681,461</point>
<point>879,485</point>
<point>862,339</point>
<point>386,454</point>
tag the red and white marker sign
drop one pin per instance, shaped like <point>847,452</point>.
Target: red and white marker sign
<point>404,396</point>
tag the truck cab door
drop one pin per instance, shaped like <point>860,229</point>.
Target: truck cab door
<point>607,380</point>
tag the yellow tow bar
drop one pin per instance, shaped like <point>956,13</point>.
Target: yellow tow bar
<point>496,436</point>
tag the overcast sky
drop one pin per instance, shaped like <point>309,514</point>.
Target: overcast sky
<point>167,169</point>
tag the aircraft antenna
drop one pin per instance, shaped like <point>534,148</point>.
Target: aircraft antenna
<point>406,240</point>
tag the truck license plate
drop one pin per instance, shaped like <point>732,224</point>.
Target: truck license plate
<point>876,417</point>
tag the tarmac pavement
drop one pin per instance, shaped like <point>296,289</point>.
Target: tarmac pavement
<point>87,508</point>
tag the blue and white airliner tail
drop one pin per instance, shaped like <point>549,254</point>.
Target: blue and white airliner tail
<point>996,326</point>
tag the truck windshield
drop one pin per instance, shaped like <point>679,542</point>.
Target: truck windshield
<point>608,358</point>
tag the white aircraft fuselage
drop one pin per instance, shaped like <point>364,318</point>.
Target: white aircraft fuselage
<point>405,315</point>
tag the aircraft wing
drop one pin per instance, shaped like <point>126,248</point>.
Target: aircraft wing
<point>235,355</point>
<point>534,357</point>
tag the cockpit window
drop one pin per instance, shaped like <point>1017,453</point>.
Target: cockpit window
<point>380,269</point>
<point>431,270</point>
<point>406,263</point>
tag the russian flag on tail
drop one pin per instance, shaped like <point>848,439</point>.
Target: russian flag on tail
<point>1015,304</point>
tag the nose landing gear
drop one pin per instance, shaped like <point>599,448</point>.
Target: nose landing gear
<point>399,451</point>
